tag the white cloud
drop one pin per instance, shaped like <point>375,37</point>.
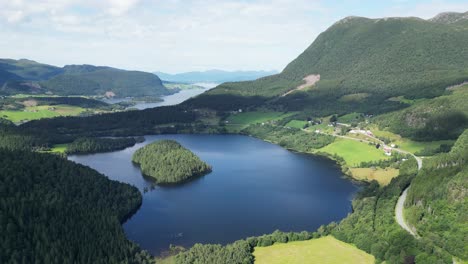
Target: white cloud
<point>177,35</point>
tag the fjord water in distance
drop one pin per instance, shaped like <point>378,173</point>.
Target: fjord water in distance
<point>255,188</point>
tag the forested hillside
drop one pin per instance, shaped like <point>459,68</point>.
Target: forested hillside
<point>361,63</point>
<point>55,211</point>
<point>443,117</point>
<point>26,76</point>
<point>438,200</point>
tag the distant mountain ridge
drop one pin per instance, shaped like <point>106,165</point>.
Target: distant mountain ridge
<point>27,76</point>
<point>214,76</point>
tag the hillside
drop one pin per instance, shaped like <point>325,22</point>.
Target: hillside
<point>443,117</point>
<point>25,76</point>
<point>361,62</point>
<point>214,76</point>
<point>438,200</point>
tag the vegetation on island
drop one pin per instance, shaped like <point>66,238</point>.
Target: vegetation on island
<point>95,145</point>
<point>169,162</point>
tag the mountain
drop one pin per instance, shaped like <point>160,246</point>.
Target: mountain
<point>26,76</point>
<point>214,76</point>
<point>360,63</point>
<point>88,79</point>
<point>450,18</point>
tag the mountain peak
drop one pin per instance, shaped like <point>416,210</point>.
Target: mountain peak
<point>449,17</point>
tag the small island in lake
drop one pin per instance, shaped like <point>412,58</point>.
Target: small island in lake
<point>169,162</point>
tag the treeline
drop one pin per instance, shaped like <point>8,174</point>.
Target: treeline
<point>291,138</point>
<point>169,162</point>
<point>55,211</point>
<point>394,161</point>
<point>438,203</point>
<point>149,121</point>
<point>96,145</point>
<point>240,251</point>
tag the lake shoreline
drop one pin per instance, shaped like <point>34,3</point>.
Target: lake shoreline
<point>199,180</point>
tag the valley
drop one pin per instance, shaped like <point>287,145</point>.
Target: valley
<point>355,153</point>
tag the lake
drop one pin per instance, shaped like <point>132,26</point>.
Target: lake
<point>172,99</point>
<point>255,188</point>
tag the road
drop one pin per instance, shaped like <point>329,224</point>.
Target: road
<point>399,216</point>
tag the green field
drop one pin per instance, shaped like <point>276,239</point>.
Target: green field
<point>323,128</point>
<point>242,120</point>
<point>382,176</point>
<point>349,118</point>
<point>296,124</point>
<point>325,250</point>
<point>354,152</point>
<point>42,111</point>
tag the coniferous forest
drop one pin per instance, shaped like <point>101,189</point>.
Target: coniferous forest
<point>55,211</point>
<point>169,162</point>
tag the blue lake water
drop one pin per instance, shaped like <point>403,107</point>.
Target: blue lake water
<point>255,188</point>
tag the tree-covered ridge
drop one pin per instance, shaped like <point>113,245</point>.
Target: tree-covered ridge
<point>102,79</point>
<point>129,123</point>
<point>26,76</point>
<point>386,57</point>
<point>55,211</point>
<point>438,200</point>
<point>95,145</point>
<point>169,162</point>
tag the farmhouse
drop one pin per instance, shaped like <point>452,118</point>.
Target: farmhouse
<point>387,150</point>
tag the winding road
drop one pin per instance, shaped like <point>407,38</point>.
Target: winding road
<point>399,216</point>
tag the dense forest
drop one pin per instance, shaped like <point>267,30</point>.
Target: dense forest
<point>438,204</point>
<point>95,145</point>
<point>169,162</point>
<point>166,119</point>
<point>55,211</point>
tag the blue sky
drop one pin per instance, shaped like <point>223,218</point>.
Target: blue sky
<point>178,35</point>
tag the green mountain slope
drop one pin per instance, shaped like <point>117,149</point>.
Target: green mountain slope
<point>443,117</point>
<point>28,69</point>
<point>86,79</point>
<point>25,76</point>
<point>373,58</point>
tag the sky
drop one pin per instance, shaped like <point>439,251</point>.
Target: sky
<point>178,36</point>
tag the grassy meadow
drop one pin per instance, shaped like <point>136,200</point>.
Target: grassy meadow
<point>325,250</point>
<point>296,124</point>
<point>354,152</point>
<point>382,176</point>
<point>42,111</point>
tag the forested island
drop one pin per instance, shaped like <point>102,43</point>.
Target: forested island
<point>169,162</point>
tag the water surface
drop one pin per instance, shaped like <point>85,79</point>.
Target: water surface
<point>172,99</point>
<point>255,188</point>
